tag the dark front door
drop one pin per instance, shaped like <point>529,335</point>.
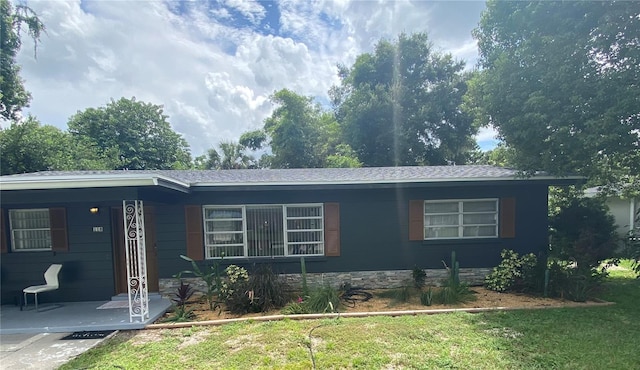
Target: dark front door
<point>120,256</point>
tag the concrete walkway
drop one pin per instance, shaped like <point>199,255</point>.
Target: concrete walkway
<point>41,351</point>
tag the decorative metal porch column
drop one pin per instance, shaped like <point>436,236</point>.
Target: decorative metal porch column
<point>135,247</point>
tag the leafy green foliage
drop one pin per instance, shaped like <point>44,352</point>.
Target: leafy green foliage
<point>233,157</point>
<point>400,105</point>
<point>303,275</point>
<point>296,308</point>
<point>583,232</point>
<point>560,84</point>
<point>211,277</point>
<point>138,132</point>
<point>28,146</point>
<point>323,299</point>
<point>632,245</point>
<point>263,291</point>
<point>13,95</point>
<point>419,277</point>
<point>512,272</point>
<point>301,135</point>
<point>426,297</point>
<point>452,290</point>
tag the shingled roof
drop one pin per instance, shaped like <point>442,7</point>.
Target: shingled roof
<point>296,176</point>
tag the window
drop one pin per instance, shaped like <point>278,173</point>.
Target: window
<point>452,219</point>
<point>263,230</point>
<point>30,229</point>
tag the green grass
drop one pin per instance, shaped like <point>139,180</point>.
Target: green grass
<point>566,338</point>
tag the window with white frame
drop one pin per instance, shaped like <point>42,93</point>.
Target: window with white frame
<point>453,219</point>
<point>263,230</point>
<point>30,229</point>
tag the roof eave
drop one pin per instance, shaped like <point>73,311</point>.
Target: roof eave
<point>62,182</point>
<point>551,180</point>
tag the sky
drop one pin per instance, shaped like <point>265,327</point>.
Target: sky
<point>212,65</point>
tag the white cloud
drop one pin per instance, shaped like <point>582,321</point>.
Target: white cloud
<point>214,79</point>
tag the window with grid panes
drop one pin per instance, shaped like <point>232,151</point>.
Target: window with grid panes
<point>454,219</point>
<point>264,230</point>
<point>30,229</point>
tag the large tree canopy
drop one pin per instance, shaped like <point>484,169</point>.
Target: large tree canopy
<point>139,132</point>
<point>560,82</point>
<point>13,96</point>
<point>301,135</point>
<point>29,146</point>
<point>400,105</point>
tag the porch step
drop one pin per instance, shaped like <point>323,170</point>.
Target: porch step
<point>125,297</point>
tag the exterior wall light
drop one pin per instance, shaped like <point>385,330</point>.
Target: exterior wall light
<point>93,210</point>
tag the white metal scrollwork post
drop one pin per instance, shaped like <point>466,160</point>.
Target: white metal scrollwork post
<point>135,247</point>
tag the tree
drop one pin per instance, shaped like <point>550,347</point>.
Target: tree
<point>400,105</point>
<point>561,83</point>
<point>583,232</point>
<point>29,146</point>
<point>300,135</point>
<point>501,156</point>
<point>139,132</point>
<point>13,95</point>
<point>233,158</point>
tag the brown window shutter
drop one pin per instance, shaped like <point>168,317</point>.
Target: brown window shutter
<point>508,217</point>
<point>195,234</point>
<point>416,220</point>
<point>3,233</point>
<point>332,229</point>
<point>58,224</point>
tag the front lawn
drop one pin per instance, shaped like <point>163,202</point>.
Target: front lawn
<point>568,338</point>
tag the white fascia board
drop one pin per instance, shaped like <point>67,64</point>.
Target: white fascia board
<point>401,181</point>
<point>83,181</point>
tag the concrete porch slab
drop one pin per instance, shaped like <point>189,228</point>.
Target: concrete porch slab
<point>75,316</point>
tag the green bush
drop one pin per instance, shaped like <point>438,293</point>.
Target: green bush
<point>263,291</point>
<point>426,298</point>
<point>419,277</point>
<point>514,273</point>
<point>568,282</point>
<point>323,299</point>
<point>452,290</point>
<point>583,232</point>
<point>296,308</point>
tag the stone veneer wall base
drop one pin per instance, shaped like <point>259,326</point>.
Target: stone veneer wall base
<point>363,279</point>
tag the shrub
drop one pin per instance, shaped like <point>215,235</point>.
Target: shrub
<point>236,280</point>
<point>453,291</point>
<point>296,308</point>
<point>180,298</point>
<point>568,282</point>
<point>268,288</point>
<point>210,275</point>
<point>583,232</point>
<point>182,294</point>
<point>323,299</point>
<point>426,298</point>
<point>513,272</point>
<point>419,277</point>
<point>263,291</point>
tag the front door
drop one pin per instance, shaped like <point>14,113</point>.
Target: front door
<point>120,256</point>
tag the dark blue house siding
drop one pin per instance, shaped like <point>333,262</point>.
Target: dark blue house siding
<point>374,231</point>
<point>374,228</point>
<point>87,267</point>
